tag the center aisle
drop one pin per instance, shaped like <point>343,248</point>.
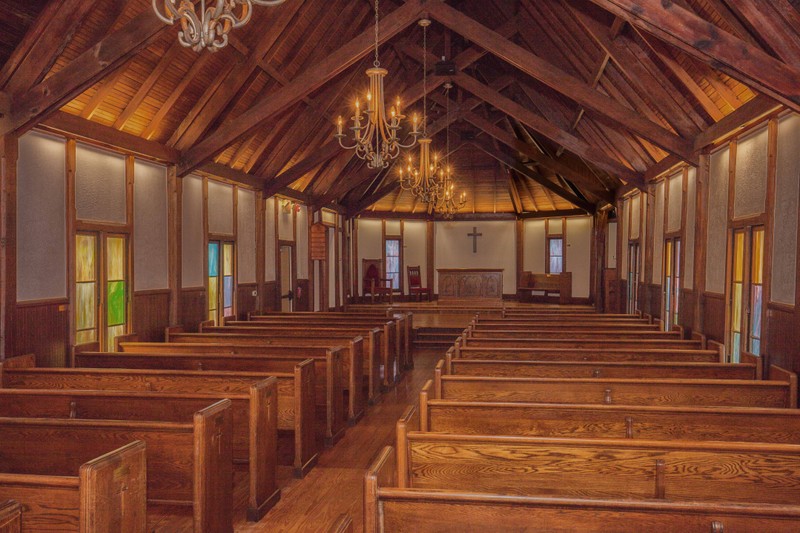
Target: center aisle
<point>335,485</point>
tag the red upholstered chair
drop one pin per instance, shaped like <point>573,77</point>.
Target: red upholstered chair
<point>415,283</point>
<point>374,282</point>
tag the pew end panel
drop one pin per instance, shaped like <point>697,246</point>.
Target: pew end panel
<point>752,359</point>
<point>424,398</point>
<point>335,409</point>
<point>169,330</point>
<point>357,400</point>
<point>381,473</point>
<point>438,370</point>
<point>10,517</point>
<point>263,460</point>
<point>697,336</point>
<point>213,468</point>
<point>128,337</point>
<point>408,422</point>
<point>305,441</point>
<point>343,524</point>
<point>777,373</point>
<point>205,325</point>
<point>719,348</point>
<point>113,490</point>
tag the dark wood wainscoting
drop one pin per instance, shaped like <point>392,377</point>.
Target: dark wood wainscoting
<point>270,297</point>
<point>686,310</point>
<point>245,301</point>
<point>193,307</point>
<point>42,328</point>
<point>653,295</point>
<point>151,314</point>
<point>622,298</point>
<point>303,303</point>
<point>782,337</point>
<point>714,316</point>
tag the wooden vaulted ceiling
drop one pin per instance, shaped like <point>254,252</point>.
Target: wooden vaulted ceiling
<point>555,106</point>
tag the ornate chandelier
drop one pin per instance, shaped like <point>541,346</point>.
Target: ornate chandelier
<point>210,28</point>
<point>424,181</point>
<point>449,203</point>
<point>376,141</point>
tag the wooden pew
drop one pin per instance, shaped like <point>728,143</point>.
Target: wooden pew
<point>612,353</point>
<point>254,422</point>
<point>188,463</point>
<point>354,356</point>
<point>741,424</point>
<point>549,342</point>
<point>599,369</point>
<point>343,524</point>
<point>689,471</point>
<point>675,392</point>
<point>378,354</point>
<point>557,333</point>
<point>296,412</point>
<point>387,507</point>
<point>10,517</point>
<point>71,490</point>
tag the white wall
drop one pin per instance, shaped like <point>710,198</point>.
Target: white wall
<point>496,248</point>
<point>192,267</point>
<point>270,237</point>
<point>100,192</point>
<point>220,208</point>
<point>302,243</point>
<point>150,220</point>
<point>534,246</point>
<point>415,249</point>
<point>579,254</point>
<point>246,237</point>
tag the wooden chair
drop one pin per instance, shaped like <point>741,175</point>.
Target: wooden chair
<point>374,282</point>
<point>415,283</point>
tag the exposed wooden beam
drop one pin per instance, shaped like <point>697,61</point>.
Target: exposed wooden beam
<point>546,128</point>
<point>84,71</point>
<point>457,216</point>
<point>307,81</point>
<point>512,163</point>
<point>749,112</point>
<point>560,81</point>
<point>713,46</point>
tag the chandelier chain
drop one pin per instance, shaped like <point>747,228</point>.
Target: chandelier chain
<point>377,62</point>
<point>424,81</point>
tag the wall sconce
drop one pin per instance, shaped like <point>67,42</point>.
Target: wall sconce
<point>290,205</point>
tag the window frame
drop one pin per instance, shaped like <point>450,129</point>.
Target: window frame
<point>400,263</point>
<point>548,256</point>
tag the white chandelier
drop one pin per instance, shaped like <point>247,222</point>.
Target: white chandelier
<point>448,203</point>
<point>376,140</point>
<point>210,28</point>
<point>423,181</point>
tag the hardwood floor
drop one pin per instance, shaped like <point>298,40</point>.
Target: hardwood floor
<point>335,485</point>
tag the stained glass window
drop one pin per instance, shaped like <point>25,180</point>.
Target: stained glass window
<point>737,289</point>
<point>676,276</point>
<point>85,288</point>
<point>227,280</point>
<point>555,253</point>
<point>393,262</point>
<point>116,297</point>
<point>756,290</point>
<point>213,280</point>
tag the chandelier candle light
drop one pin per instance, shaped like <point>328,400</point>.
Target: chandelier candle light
<point>423,181</point>
<point>447,205</point>
<point>376,138</point>
<point>210,28</point>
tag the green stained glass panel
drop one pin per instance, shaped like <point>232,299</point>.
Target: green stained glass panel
<point>228,260</point>
<point>115,258</point>
<point>213,259</point>
<point>116,303</point>
<point>85,258</point>
<point>85,317</point>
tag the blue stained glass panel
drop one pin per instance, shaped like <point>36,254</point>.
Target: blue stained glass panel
<point>228,294</point>
<point>213,259</point>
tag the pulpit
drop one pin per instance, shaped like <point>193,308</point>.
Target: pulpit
<point>547,283</point>
<point>471,284</point>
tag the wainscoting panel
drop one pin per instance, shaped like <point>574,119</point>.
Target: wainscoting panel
<point>42,328</point>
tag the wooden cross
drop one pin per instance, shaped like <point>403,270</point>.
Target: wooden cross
<point>474,236</point>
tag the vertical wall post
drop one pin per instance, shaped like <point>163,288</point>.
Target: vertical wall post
<point>9,150</point>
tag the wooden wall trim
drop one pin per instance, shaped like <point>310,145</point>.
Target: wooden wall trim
<point>9,149</point>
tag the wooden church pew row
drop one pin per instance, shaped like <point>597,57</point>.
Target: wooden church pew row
<point>343,524</point>
<point>524,342</point>
<point>409,510</point>
<point>188,463</point>
<point>598,369</point>
<point>356,359</point>
<point>404,320</point>
<point>398,326</point>
<point>555,333</point>
<point>10,517</point>
<point>254,418</point>
<point>689,471</point>
<point>379,345</point>
<point>745,424</point>
<point>676,392</point>
<point>105,493</point>
<point>377,351</point>
<point>328,371</point>
<point>296,411</point>
<point>555,322</point>
<point>610,353</point>
<point>583,325</point>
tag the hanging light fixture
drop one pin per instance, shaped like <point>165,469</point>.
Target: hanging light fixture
<point>448,202</point>
<point>376,140</point>
<point>209,28</point>
<point>423,181</point>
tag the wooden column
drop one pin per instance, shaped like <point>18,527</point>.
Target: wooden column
<point>622,296</point>
<point>430,250</point>
<point>260,250</point>
<point>599,259</point>
<point>9,150</point>
<point>175,240</point>
<point>647,305</point>
<point>700,245</point>
<point>519,233</point>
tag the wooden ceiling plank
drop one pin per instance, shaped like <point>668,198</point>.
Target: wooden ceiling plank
<point>97,62</point>
<point>310,79</point>
<point>164,63</point>
<point>766,22</point>
<point>571,87</point>
<point>510,162</point>
<point>223,93</point>
<point>711,45</point>
<point>545,128</point>
<point>43,43</point>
